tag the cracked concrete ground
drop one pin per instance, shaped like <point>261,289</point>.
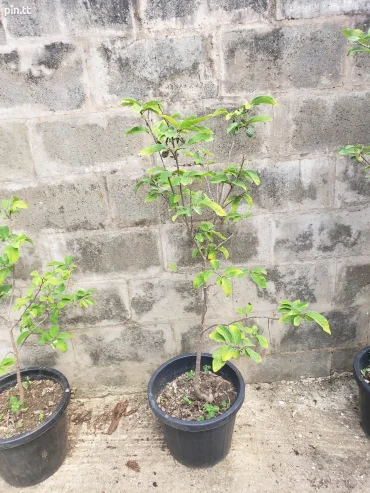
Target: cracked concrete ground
<point>290,437</point>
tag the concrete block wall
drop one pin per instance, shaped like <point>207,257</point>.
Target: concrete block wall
<point>64,68</point>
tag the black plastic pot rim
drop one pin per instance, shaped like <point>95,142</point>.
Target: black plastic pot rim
<point>26,437</point>
<point>196,426</point>
<point>357,369</point>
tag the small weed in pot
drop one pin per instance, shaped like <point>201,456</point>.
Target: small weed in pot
<point>209,202</point>
<point>24,407</point>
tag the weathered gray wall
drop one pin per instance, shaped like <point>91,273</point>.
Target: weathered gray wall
<point>63,70</point>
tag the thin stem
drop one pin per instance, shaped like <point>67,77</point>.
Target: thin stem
<point>198,393</point>
<point>14,345</point>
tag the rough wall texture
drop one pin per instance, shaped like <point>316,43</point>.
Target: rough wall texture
<point>64,68</point>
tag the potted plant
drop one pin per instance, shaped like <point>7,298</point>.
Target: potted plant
<point>33,401</point>
<point>360,154</point>
<point>196,396</point>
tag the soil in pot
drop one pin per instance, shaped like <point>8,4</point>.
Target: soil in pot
<point>178,398</point>
<point>41,399</point>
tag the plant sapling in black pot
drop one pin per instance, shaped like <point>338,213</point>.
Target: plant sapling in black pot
<point>196,396</point>
<point>33,401</point>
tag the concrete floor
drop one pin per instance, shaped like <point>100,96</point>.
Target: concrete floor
<point>290,437</point>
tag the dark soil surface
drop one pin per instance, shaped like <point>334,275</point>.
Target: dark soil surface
<point>41,398</point>
<point>178,399</point>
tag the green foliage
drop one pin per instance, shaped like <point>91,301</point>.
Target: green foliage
<point>207,202</point>
<point>46,298</point>
<point>295,313</point>
<point>190,374</point>
<point>207,368</point>
<point>359,40</point>
<point>238,339</point>
<point>187,401</point>
<point>210,410</point>
<point>357,153</point>
<point>15,404</point>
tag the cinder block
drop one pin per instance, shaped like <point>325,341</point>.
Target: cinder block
<point>301,9</point>
<point>352,185</point>
<point>293,185</point>
<point>310,282</point>
<point>324,123</point>
<point>15,154</point>
<point>259,6</point>
<point>353,282</point>
<point>344,325</point>
<point>288,366</point>
<point>169,9</point>
<point>80,144</point>
<point>128,207</point>
<point>68,205</point>
<point>31,18</point>
<point>105,347</point>
<point>41,78</point>
<point>342,359</point>
<point>282,58</point>
<point>312,236</point>
<point>83,17</point>
<point>111,308</point>
<point>152,68</point>
<point>163,299</point>
<point>113,253</point>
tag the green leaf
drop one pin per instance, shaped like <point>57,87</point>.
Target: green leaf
<point>148,151</point>
<point>228,352</point>
<point>217,364</point>
<point>225,251</point>
<point>319,319</point>
<point>224,332</point>
<point>4,273</point>
<point>12,254</point>
<point>136,130</point>
<point>258,279</point>
<point>226,286</point>
<point>219,178</point>
<point>129,102</point>
<point>235,332</point>
<point>173,267</point>
<point>259,118</point>
<point>232,272</point>
<point>264,100</point>
<point>23,336</point>
<point>253,176</point>
<point>4,233</point>
<point>262,341</point>
<point>199,280</point>
<point>216,336</point>
<point>4,290</point>
<point>220,111</point>
<point>54,331</point>
<point>252,354</point>
<point>171,120</point>
<point>61,345</point>
<point>207,202</point>
<point>199,137</point>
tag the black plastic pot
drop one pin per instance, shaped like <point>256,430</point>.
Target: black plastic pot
<point>31,457</point>
<point>196,443</point>
<point>362,359</point>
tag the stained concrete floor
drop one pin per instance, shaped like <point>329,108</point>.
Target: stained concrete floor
<point>290,437</point>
